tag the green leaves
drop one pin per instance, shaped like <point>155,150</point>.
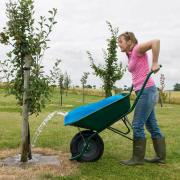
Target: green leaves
<point>84,78</point>
<point>27,39</point>
<point>84,81</point>
<point>110,72</point>
<point>4,38</point>
<point>177,87</point>
<point>55,73</point>
<point>39,93</point>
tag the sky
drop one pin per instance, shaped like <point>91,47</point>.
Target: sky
<point>82,27</point>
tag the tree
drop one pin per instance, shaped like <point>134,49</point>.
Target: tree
<point>111,71</point>
<point>67,82</point>
<point>89,86</point>
<point>61,87</point>
<point>125,88</point>
<point>162,94</point>
<point>177,87</point>
<point>6,70</point>
<point>84,81</point>
<point>57,78</point>
<point>94,86</point>
<point>28,43</point>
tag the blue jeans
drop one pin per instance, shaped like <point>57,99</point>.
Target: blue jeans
<point>145,114</point>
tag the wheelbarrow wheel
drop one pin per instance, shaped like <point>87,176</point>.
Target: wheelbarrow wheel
<point>94,150</point>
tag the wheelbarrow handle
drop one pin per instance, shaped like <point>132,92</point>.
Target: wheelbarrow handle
<point>142,89</point>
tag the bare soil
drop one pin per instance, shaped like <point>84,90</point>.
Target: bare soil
<point>45,161</point>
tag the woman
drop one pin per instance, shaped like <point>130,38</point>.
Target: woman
<point>144,114</point>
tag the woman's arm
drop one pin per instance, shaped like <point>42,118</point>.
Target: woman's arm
<point>155,46</point>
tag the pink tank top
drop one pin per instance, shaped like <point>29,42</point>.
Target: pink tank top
<point>139,68</point>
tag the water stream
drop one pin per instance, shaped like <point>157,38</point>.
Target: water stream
<point>43,124</point>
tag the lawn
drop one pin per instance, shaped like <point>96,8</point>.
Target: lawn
<point>57,137</point>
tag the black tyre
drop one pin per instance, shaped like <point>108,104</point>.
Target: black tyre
<point>95,148</point>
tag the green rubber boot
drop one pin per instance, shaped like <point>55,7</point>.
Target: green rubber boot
<point>139,148</point>
<point>160,150</point>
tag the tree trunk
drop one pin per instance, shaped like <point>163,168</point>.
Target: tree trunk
<point>108,92</point>
<point>83,95</point>
<point>160,98</point>
<point>29,143</point>
<point>26,147</point>
<point>66,91</point>
<point>60,90</point>
<point>169,97</point>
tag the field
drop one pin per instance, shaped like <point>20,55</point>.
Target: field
<point>56,138</point>
<point>173,97</point>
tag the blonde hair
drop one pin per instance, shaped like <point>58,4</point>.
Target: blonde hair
<point>129,36</point>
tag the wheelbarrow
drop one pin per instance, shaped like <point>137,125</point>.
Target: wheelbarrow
<point>87,145</point>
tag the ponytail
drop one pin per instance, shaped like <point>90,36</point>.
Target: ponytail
<point>129,36</point>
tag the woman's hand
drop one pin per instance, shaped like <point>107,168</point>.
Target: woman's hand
<point>155,67</point>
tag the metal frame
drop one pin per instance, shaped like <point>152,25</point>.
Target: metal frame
<point>128,126</point>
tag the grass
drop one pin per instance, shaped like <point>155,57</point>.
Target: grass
<point>56,136</point>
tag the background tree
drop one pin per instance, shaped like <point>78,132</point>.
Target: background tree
<point>67,82</point>
<point>57,78</point>
<point>89,86</point>
<point>83,82</point>
<point>177,87</point>
<point>6,73</point>
<point>111,71</point>
<point>162,94</point>
<point>29,85</point>
<point>94,86</point>
<point>55,72</point>
<point>61,87</point>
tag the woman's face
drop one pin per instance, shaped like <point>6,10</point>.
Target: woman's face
<point>123,44</point>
